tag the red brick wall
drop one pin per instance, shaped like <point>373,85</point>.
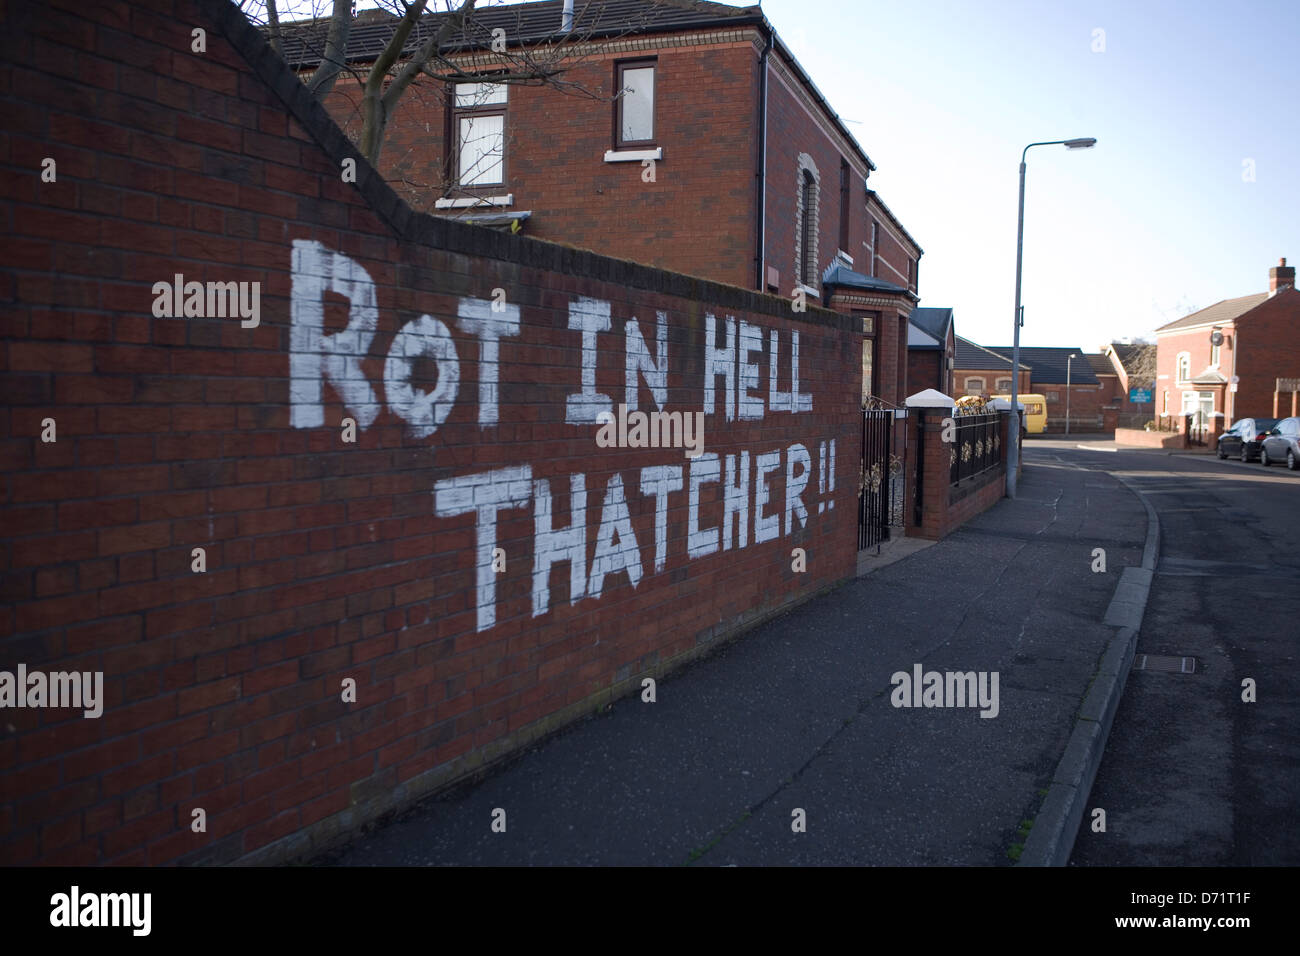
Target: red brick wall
<point>703,194</point>
<point>946,508</point>
<point>793,129</point>
<point>924,371</point>
<point>1141,438</point>
<point>1084,406</point>
<point>700,214</point>
<point>892,251</point>
<point>990,377</point>
<point>324,560</point>
<point>1270,349</point>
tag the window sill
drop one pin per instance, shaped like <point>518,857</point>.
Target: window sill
<point>845,257</point>
<point>633,155</point>
<point>468,201</point>
<point>806,289</point>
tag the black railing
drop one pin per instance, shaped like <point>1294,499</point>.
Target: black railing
<point>875,484</point>
<point>976,446</point>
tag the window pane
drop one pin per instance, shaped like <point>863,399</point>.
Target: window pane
<point>637,105</point>
<point>482,142</point>
<point>469,95</point>
<point>867,345</point>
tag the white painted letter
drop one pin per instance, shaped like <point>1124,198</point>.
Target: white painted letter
<point>484,493</point>
<point>338,356</point>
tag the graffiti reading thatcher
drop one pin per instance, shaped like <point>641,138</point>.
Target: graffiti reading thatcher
<point>317,357</point>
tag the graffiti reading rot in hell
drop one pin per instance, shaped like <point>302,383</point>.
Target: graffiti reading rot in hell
<point>752,512</point>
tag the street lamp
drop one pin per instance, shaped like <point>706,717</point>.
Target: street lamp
<point>1068,362</point>
<point>1013,446</point>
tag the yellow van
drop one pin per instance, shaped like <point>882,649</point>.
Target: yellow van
<point>1035,413</point>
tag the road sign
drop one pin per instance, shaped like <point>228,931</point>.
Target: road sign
<point>1139,396</point>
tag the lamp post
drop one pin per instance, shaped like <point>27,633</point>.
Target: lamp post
<point>1068,362</point>
<point>1013,446</point>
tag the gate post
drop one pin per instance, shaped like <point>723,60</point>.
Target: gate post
<point>929,512</point>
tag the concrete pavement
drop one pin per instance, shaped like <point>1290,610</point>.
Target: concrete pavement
<point>797,716</point>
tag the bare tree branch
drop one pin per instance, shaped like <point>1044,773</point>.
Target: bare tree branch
<point>273,24</point>
<point>322,81</point>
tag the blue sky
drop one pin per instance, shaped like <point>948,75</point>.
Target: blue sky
<point>1153,223</point>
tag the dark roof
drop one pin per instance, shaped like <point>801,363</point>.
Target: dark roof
<point>1049,365</point>
<point>967,354</point>
<point>1132,355</point>
<point>1224,311</point>
<point>933,322</point>
<point>841,275</point>
<point>1100,363</point>
<point>304,41</point>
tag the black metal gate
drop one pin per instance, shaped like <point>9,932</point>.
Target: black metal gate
<point>880,495</point>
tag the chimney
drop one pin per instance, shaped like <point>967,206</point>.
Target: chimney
<point>1281,276</point>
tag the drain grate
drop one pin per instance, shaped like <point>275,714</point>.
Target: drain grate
<point>1164,662</point>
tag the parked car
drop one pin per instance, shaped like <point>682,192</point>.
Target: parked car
<point>1282,443</point>
<point>1244,438</point>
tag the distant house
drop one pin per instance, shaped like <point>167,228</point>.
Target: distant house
<point>983,372</point>
<point>1224,362</point>
<point>931,348</point>
<point>1134,365</point>
<point>1052,375</point>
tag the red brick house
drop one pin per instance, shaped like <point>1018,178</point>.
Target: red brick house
<point>721,159</point>
<point>1122,368</point>
<point>1223,362</point>
<point>981,371</point>
<point>931,348</point>
<point>1134,367</point>
<point>1053,374</point>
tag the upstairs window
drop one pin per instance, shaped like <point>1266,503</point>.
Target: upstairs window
<point>1184,366</point>
<point>1004,386</point>
<point>634,110</point>
<point>974,386</point>
<point>479,121</point>
<point>807,229</point>
<point>845,188</point>
<point>875,245</point>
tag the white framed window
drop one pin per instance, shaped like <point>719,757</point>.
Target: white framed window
<point>634,110</point>
<point>974,385</point>
<point>479,121</point>
<point>1184,366</point>
<point>1214,355</point>
<point>1004,386</point>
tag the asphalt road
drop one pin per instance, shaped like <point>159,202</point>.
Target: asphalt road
<point>1192,774</point>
